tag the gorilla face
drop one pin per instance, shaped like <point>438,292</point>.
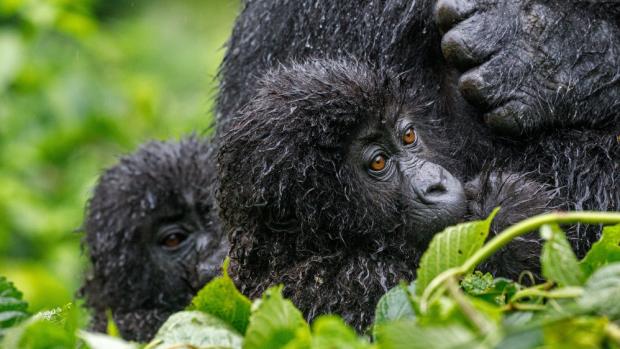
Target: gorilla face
<point>393,160</point>
<point>152,235</point>
<point>184,247</point>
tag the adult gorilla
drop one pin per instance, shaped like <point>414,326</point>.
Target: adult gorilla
<point>537,63</point>
<point>546,73</point>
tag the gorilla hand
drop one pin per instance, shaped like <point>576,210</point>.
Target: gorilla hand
<point>527,64</point>
<point>519,198</point>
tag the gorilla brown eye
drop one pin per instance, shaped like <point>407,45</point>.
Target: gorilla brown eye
<point>378,163</point>
<point>173,240</point>
<point>409,137</point>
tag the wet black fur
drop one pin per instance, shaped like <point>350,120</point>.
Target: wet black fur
<point>582,160</point>
<point>297,213</point>
<point>159,181</point>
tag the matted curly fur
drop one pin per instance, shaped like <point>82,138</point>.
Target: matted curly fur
<point>134,274</point>
<point>295,209</point>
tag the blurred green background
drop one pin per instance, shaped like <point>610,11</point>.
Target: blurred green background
<point>81,82</point>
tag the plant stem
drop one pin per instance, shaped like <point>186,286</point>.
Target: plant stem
<point>567,292</point>
<point>531,224</point>
<point>484,326</point>
<point>503,238</point>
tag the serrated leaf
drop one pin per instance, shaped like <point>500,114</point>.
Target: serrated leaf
<point>395,305</point>
<point>451,248</point>
<point>12,308</point>
<point>275,322</point>
<point>558,261</point>
<point>195,329</point>
<point>602,292</point>
<point>604,251</point>
<point>409,335</point>
<point>221,298</point>
<point>102,341</point>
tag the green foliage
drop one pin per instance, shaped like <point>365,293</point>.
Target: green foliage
<point>451,248</point>
<point>458,308</point>
<point>221,298</point>
<point>496,291</point>
<point>12,308</point>
<point>79,85</point>
<point>408,335</point>
<point>274,322</point>
<point>396,304</point>
<point>329,332</point>
<point>40,334</point>
<point>196,329</point>
<point>604,251</point>
<point>101,341</point>
<point>602,292</point>
<point>558,261</point>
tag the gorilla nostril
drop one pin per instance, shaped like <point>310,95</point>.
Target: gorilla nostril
<point>435,189</point>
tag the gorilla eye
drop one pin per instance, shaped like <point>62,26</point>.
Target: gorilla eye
<point>378,163</point>
<point>409,137</point>
<point>173,240</point>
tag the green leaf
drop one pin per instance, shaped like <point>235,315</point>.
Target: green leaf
<point>408,335</point>
<point>221,298</point>
<point>12,307</point>
<point>38,333</point>
<point>602,292</point>
<point>102,341</point>
<point>526,339</point>
<point>330,332</point>
<point>395,305</point>
<point>451,248</point>
<point>477,283</point>
<point>576,333</point>
<point>274,322</point>
<point>195,329</point>
<point>558,260</point>
<point>604,251</point>
<point>111,328</point>
<point>483,286</point>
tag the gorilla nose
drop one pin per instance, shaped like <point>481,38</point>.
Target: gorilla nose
<point>435,185</point>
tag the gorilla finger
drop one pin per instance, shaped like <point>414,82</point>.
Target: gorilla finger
<point>493,83</point>
<point>470,43</point>
<point>512,119</point>
<point>476,90</point>
<point>450,12</point>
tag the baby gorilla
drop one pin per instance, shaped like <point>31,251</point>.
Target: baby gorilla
<point>333,184</point>
<point>152,236</point>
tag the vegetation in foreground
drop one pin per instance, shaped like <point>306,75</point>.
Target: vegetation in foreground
<point>450,305</point>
